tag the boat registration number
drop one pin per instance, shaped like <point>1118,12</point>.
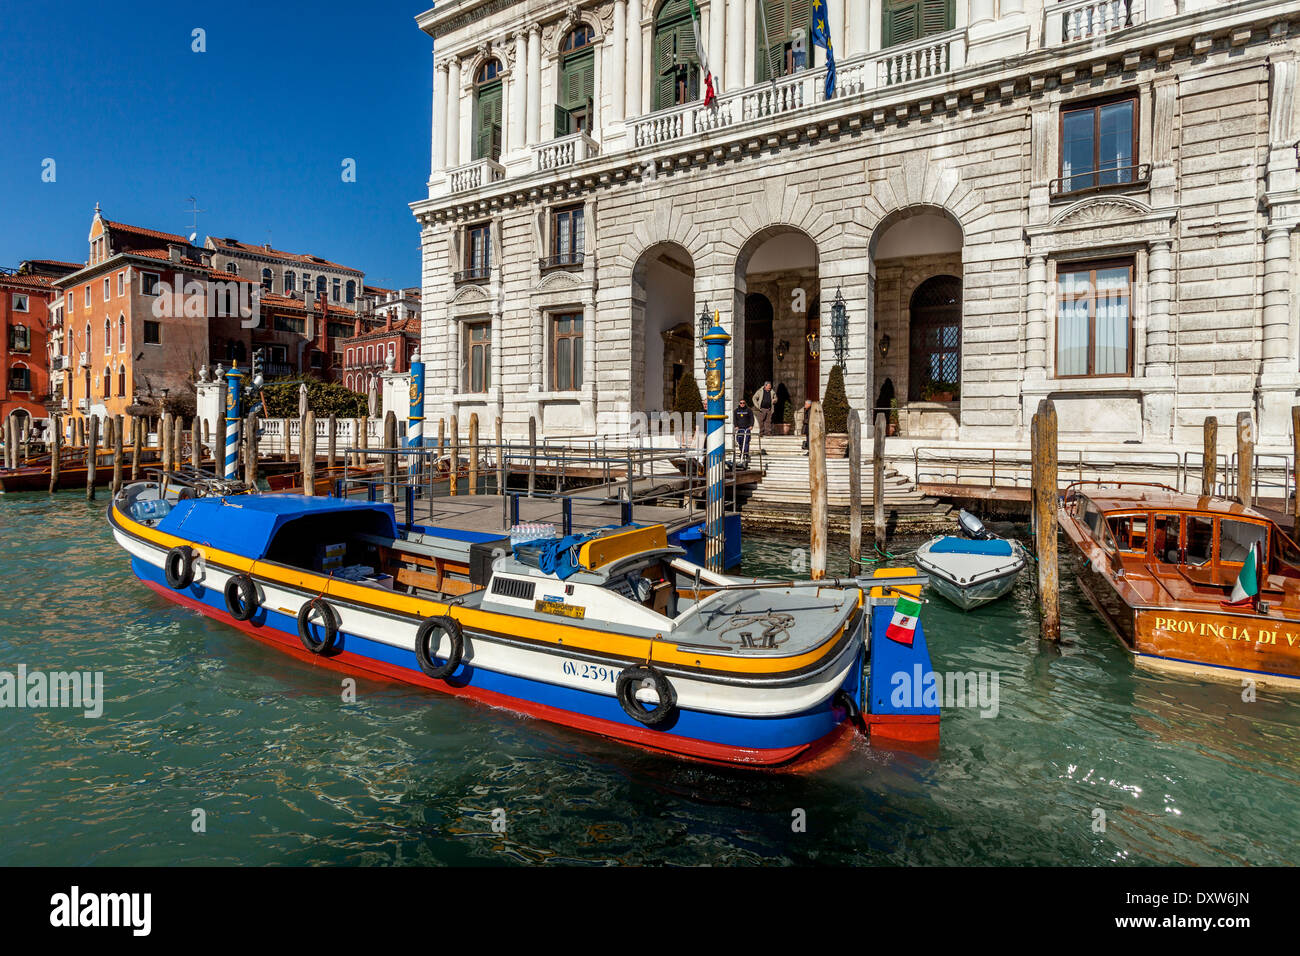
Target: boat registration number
<point>587,671</point>
<point>560,608</point>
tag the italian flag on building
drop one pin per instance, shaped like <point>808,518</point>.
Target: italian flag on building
<point>710,97</point>
<point>902,626</point>
<point>1245,592</point>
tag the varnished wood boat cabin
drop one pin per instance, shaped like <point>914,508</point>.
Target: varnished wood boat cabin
<point>1159,566</point>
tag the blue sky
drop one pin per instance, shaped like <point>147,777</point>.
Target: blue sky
<point>256,128</point>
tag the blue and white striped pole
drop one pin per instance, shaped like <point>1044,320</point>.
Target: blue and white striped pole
<point>415,418</point>
<point>234,382</point>
<point>715,439</point>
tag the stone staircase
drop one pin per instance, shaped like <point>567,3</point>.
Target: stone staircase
<point>782,496</point>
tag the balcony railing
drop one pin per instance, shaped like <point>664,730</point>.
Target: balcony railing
<point>475,175</point>
<point>1100,180</point>
<point>85,360</point>
<point>56,363</point>
<point>1084,19</point>
<point>563,260</point>
<point>277,370</point>
<point>923,59</point>
<point>83,404</point>
<point>475,274</point>
<point>564,151</point>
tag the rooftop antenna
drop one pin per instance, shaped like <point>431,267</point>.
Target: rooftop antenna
<point>194,211</point>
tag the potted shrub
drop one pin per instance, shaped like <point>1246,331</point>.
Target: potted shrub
<point>688,403</point>
<point>835,411</point>
<point>943,392</point>
<point>786,425</point>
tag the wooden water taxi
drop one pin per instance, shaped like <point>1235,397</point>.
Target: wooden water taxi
<point>1161,568</point>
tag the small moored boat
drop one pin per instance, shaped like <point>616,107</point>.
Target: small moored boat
<point>973,570</point>
<point>611,632</point>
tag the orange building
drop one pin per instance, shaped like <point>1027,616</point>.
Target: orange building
<point>25,321</point>
<point>140,319</point>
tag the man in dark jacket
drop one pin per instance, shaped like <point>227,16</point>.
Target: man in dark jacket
<point>742,420</point>
<point>803,421</point>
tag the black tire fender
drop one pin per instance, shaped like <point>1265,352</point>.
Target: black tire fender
<point>182,577</point>
<point>241,597</point>
<point>626,687</point>
<point>427,639</point>
<point>844,700</point>
<point>330,622</point>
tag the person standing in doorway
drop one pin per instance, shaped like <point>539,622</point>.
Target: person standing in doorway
<point>803,422</point>
<point>763,401</point>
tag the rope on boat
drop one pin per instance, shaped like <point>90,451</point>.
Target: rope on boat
<point>773,623</point>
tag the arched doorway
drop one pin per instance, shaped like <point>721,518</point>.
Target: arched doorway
<point>758,342</point>
<point>934,341</point>
<point>663,320</point>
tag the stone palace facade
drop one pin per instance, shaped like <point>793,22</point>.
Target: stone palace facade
<point>1092,200</point>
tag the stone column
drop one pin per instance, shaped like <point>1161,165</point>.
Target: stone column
<point>750,45</point>
<point>857,16</point>
<point>439,145</point>
<point>537,343</point>
<point>634,41</point>
<point>735,78</point>
<point>1277,295</point>
<point>598,93</point>
<point>534,133</point>
<point>453,114</point>
<point>717,41</point>
<point>618,80</point>
<point>589,347</point>
<point>875,14</point>
<point>837,14</point>
<point>519,93</point>
<point>1158,355</point>
<point>1036,319</point>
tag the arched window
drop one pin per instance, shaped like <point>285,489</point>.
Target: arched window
<point>775,37</point>
<point>88,346</point>
<point>108,381</point>
<point>268,280</point>
<point>320,285</point>
<point>121,333</point>
<point>935,340</point>
<point>121,381</point>
<point>676,75</point>
<point>351,290</point>
<point>288,281</point>
<point>574,108</point>
<point>108,336</point>
<point>232,268</point>
<point>487,111</point>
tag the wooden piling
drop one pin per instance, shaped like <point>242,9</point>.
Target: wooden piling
<point>178,441</point>
<point>363,442</point>
<point>118,427</point>
<point>532,455</point>
<point>56,449</point>
<point>855,490</point>
<point>1295,465</point>
<point>92,456</point>
<point>878,481</point>
<point>331,443</point>
<point>454,474</point>
<point>250,450</point>
<point>473,453</point>
<point>196,444</point>
<point>390,461</point>
<point>137,440</point>
<point>309,454</point>
<point>165,440</point>
<point>817,490</point>
<point>1245,459</point>
<point>1209,454</point>
<point>501,460</point>
<point>81,433</point>
<point>1045,504</point>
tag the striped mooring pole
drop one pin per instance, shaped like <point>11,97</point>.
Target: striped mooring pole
<point>233,382</point>
<point>415,418</point>
<point>715,439</point>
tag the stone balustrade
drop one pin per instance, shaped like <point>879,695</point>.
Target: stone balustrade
<point>1085,19</point>
<point>564,151</point>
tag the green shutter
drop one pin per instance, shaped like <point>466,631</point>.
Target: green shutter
<point>673,48</point>
<point>910,20</point>
<point>487,121</point>
<point>563,121</point>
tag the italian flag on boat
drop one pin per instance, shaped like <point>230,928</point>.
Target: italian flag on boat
<point>902,626</point>
<point>1246,591</point>
<point>710,97</point>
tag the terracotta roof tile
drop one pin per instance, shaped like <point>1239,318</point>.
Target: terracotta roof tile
<point>234,245</point>
<point>141,231</point>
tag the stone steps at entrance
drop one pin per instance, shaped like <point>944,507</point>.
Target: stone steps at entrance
<point>785,483</point>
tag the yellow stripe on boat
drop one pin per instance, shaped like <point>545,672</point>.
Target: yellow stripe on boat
<point>913,590</point>
<point>623,544</point>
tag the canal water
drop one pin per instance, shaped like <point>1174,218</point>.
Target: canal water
<point>1088,760</point>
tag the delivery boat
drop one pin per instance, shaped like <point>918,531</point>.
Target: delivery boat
<point>973,570</point>
<point>1201,585</point>
<point>611,632</point>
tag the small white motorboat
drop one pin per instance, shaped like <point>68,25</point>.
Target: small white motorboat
<point>973,570</point>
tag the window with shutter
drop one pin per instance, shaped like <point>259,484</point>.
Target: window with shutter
<point>908,20</point>
<point>487,111</point>
<point>776,37</point>
<point>577,86</point>
<point>676,61</point>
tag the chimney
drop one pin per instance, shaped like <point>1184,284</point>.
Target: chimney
<point>388,322</point>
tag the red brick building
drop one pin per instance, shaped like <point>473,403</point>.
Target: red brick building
<point>300,336</point>
<point>366,353</point>
<point>25,319</point>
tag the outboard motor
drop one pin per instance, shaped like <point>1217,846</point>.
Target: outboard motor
<point>972,527</point>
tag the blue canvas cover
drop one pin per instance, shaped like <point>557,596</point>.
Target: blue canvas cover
<point>996,548</point>
<point>246,524</point>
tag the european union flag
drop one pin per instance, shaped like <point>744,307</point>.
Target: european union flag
<point>821,36</point>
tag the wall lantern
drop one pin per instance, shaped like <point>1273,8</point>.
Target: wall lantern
<point>884,345</point>
<point>814,345</point>
<point>706,321</point>
<point>781,348</point>
<point>839,327</point>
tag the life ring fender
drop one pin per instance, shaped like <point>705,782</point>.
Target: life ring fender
<point>330,622</point>
<point>626,687</point>
<point>241,597</point>
<point>427,639</point>
<point>182,577</point>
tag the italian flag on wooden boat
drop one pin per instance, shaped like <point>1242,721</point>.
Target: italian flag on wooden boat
<point>1245,592</point>
<point>902,626</point>
<point>710,97</point>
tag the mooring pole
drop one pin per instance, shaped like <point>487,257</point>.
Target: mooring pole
<point>473,453</point>
<point>415,417</point>
<point>308,445</point>
<point>1209,454</point>
<point>56,449</point>
<point>532,454</point>
<point>250,451</point>
<point>1245,458</point>
<point>715,444</point>
<point>92,456</point>
<point>137,445</point>
<point>453,479</point>
<point>390,460</point>
<point>817,492</point>
<point>1045,494</point>
<point>196,444</point>
<point>855,489</point>
<point>1295,470</point>
<point>332,444</point>
<point>118,426</point>
<point>233,382</point>
<point>501,460</point>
